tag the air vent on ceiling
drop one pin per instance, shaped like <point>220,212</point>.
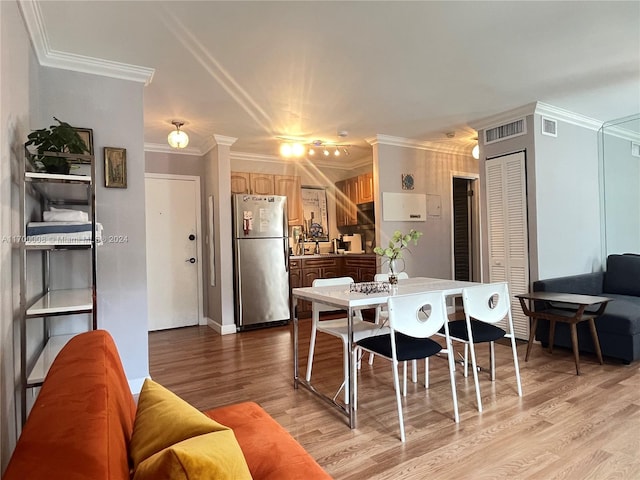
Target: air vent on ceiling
<point>635,149</point>
<point>549,127</point>
<point>502,132</point>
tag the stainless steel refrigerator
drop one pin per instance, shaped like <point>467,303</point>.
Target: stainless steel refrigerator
<point>261,260</point>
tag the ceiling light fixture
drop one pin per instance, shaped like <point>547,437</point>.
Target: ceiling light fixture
<point>177,138</point>
<point>475,153</point>
<point>300,149</point>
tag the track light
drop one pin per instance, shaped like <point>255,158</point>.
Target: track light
<point>311,149</point>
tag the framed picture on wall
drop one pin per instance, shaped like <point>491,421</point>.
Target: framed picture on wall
<point>115,167</point>
<point>314,207</point>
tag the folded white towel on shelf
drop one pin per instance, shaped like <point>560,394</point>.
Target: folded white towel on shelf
<point>64,215</point>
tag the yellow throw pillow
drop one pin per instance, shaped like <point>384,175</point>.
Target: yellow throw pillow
<point>214,456</point>
<point>163,419</point>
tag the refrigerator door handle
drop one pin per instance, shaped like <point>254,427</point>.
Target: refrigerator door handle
<point>286,253</point>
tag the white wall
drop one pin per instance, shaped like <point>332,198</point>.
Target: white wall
<point>114,110</point>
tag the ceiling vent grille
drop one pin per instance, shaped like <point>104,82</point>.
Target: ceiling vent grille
<point>635,149</point>
<point>549,127</point>
<point>502,132</point>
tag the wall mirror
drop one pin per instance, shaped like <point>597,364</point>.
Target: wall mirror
<point>619,143</point>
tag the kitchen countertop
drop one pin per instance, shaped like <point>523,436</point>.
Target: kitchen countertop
<point>340,255</point>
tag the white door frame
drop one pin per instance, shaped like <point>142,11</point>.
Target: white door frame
<point>196,179</point>
<point>477,242</point>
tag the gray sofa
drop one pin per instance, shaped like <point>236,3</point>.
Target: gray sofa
<point>619,327</point>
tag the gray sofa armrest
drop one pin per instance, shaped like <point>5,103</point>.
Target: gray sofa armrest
<point>586,283</point>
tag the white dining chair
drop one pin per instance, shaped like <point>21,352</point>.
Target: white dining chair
<point>484,306</point>
<point>338,328</point>
<point>413,319</point>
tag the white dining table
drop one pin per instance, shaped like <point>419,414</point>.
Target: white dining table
<point>343,299</point>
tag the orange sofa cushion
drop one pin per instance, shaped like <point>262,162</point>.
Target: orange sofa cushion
<point>270,451</point>
<point>81,423</point>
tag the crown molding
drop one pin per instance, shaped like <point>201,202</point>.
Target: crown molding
<point>165,148</point>
<point>567,116</point>
<point>257,157</point>
<point>449,148</point>
<point>537,108</point>
<point>221,140</point>
<point>49,57</point>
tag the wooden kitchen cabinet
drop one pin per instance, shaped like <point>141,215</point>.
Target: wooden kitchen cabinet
<point>240,182</point>
<point>310,269</point>
<point>268,184</point>
<point>262,184</point>
<point>303,271</point>
<point>365,188</point>
<point>361,269</point>
<point>347,202</point>
<point>290,187</point>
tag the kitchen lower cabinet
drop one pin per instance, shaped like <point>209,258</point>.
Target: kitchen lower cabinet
<point>361,269</point>
<point>303,271</point>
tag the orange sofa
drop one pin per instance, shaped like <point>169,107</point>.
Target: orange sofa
<point>81,424</point>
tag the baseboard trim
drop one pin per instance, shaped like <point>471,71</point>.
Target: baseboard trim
<point>135,384</point>
<point>221,329</point>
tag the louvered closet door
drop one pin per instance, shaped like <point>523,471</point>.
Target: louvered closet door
<point>507,229</point>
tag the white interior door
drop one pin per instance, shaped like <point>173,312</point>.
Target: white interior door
<point>507,230</point>
<point>174,290</point>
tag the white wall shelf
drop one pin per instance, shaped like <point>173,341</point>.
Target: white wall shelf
<point>54,311</point>
<point>45,359</point>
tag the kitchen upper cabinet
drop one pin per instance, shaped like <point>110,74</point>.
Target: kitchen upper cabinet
<point>346,202</point>
<point>262,184</point>
<point>365,188</point>
<point>268,184</point>
<point>240,182</point>
<point>289,186</point>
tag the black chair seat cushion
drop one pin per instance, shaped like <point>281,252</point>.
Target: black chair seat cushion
<point>482,332</point>
<point>407,348</point>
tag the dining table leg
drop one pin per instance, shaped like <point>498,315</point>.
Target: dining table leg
<point>294,315</point>
<point>350,371</point>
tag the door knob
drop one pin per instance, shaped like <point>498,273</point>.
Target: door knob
<point>191,260</point>
<point>192,237</point>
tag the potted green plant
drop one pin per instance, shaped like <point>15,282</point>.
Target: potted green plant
<point>55,141</point>
<point>393,252</point>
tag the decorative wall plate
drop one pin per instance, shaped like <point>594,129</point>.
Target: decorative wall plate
<point>407,181</point>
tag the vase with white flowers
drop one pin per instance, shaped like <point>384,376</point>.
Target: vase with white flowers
<point>393,252</point>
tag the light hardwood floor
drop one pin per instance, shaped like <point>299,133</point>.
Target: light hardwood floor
<point>564,427</point>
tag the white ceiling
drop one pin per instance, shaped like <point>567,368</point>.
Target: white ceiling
<point>417,70</point>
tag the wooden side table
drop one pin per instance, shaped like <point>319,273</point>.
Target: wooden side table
<point>572,312</point>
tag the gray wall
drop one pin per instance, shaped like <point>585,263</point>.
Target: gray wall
<point>567,201</point>
<point>433,171</point>
<point>562,197</point>
<point>16,68</point>
<point>114,110</point>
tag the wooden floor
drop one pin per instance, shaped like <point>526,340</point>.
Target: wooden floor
<point>564,427</point>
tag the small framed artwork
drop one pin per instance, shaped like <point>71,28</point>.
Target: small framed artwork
<point>115,167</point>
<point>407,181</point>
<point>87,136</point>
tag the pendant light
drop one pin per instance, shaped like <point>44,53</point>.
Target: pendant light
<point>177,138</point>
